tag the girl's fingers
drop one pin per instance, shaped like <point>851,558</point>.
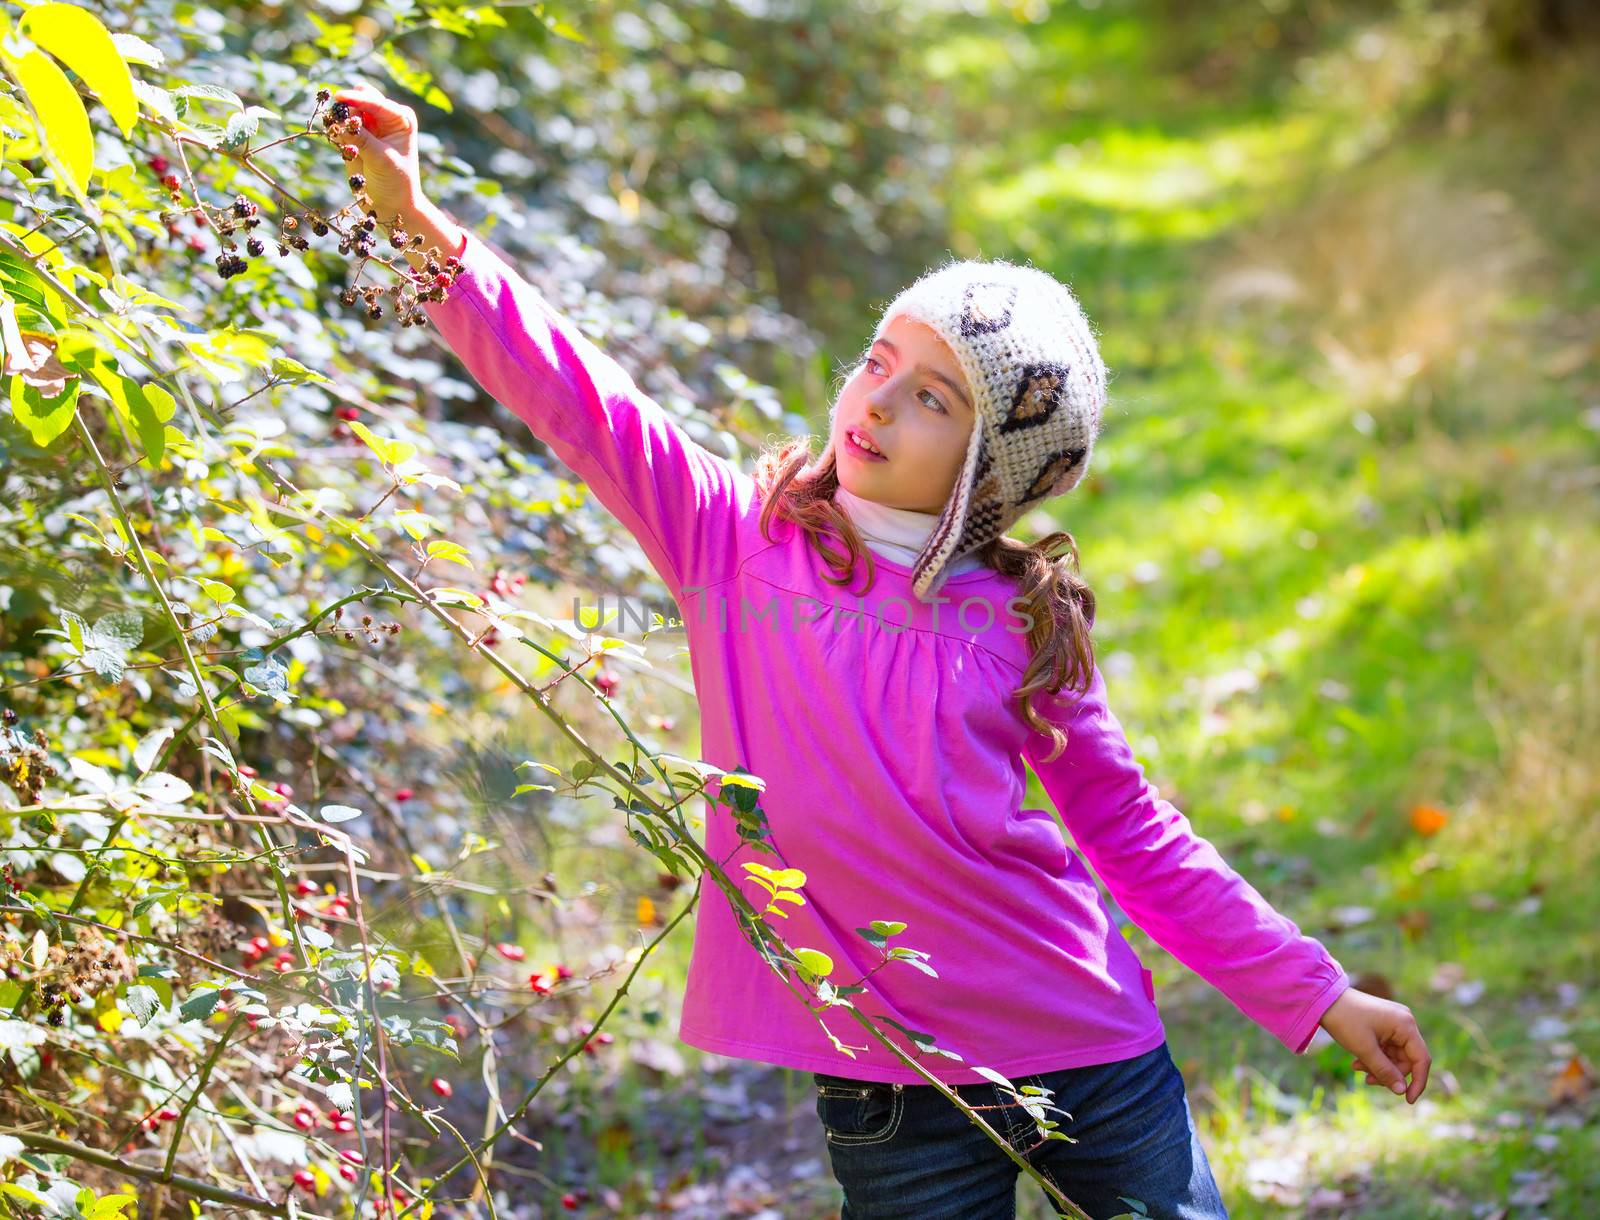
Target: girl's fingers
<point>379,115</point>
<point>1379,1065</point>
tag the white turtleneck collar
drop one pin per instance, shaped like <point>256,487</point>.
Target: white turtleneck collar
<point>898,534</point>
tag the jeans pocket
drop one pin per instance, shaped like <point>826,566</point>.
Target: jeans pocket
<point>859,1111</point>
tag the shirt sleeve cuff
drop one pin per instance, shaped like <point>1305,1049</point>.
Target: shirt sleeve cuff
<point>1306,1025</point>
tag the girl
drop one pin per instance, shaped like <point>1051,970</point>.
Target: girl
<point>891,724</point>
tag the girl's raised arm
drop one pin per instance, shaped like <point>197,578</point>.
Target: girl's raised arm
<point>680,500</point>
<point>1171,882</point>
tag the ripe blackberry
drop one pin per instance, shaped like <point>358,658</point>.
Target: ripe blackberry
<point>339,112</point>
<point>376,311</point>
<point>319,228</point>
<point>347,297</point>
<point>241,206</point>
<point>255,245</point>
<point>357,181</point>
<point>397,239</point>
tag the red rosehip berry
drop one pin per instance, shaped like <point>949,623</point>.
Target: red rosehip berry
<point>304,1119</point>
<point>305,1179</point>
<point>511,952</point>
<point>166,1114</point>
<point>353,1155</point>
<point>403,794</point>
<point>441,1086</point>
<point>305,887</point>
<point>348,1172</point>
<point>158,165</point>
<point>569,1201</point>
<point>607,681</point>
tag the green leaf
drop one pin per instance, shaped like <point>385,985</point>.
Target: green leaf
<point>106,645</point>
<point>68,140</point>
<point>448,595</point>
<point>450,552</point>
<point>214,93</point>
<point>340,813</point>
<point>15,1035</point>
<point>814,963</point>
<point>292,371</point>
<point>143,1003</point>
<point>199,1006</point>
<point>392,452</point>
<point>44,418</point>
<point>78,39</point>
<point>417,524</point>
<point>408,76</point>
<point>136,50</point>
<point>243,126</point>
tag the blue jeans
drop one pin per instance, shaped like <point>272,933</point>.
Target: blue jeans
<point>906,1151</point>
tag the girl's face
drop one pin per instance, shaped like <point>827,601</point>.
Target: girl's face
<point>910,400</point>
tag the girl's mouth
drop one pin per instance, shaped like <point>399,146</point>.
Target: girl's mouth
<point>853,443</point>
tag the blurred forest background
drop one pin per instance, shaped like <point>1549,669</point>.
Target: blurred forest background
<point>1343,526</point>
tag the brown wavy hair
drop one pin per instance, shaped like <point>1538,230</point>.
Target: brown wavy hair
<point>1058,599</point>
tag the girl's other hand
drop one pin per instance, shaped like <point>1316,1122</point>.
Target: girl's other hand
<point>1384,1038</point>
<point>387,150</point>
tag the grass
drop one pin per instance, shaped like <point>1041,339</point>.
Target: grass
<point>1343,528</point>
<point>1345,462</point>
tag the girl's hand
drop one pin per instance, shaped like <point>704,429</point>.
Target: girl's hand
<point>1384,1038</point>
<point>387,144</point>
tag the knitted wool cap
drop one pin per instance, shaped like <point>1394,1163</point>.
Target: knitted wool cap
<point>1038,387</point>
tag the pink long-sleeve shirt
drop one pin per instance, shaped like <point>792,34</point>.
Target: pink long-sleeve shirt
<point>895,763</point>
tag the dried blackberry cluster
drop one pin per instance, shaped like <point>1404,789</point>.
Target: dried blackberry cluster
<point>91,963</point>
<point>24,763</point>
<point>367,627</point>
<point>356,225</point>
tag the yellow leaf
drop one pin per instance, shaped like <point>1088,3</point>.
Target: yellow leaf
<point>110,1020</point>
<point>69,144</point>
<point>646,913</point>
<point>77,38</point>
<point>816,963</point>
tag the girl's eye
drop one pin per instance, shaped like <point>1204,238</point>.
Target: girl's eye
<point>933,398</point>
